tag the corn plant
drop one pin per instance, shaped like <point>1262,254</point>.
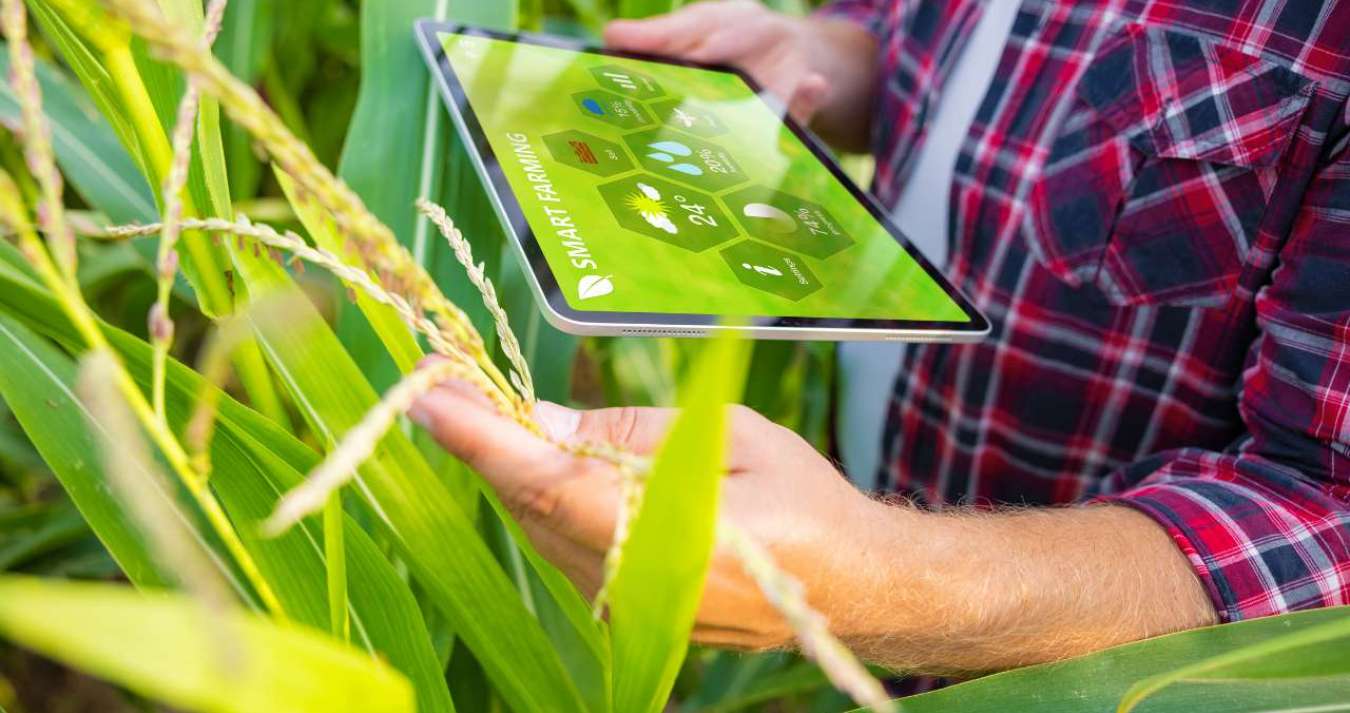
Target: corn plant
<point>295,545</point>
<point>414,512</point>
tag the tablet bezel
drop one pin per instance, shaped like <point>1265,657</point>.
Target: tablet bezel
<point>554,303</point>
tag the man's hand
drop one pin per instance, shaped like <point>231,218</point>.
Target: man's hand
<point>778,488</point>
<point>929,592</point>
<point>822,70</point>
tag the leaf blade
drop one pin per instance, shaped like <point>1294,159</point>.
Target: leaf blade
<point>656,590</point>
<point>156,643</point>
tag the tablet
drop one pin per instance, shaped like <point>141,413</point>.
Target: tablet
<point>653,197</point>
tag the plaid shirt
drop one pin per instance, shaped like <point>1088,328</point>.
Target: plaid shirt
<point>1153,208</point>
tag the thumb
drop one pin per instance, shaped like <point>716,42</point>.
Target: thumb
<point>663,34</point>
<point>467,425</point>
<point>809,97</point>
<point>637,430</point>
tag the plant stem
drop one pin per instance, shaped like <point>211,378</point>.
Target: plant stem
<point>73,304</point>
<point>215,296</point>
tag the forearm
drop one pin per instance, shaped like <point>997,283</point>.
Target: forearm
<point>845,54</point>
<point>975,592</point>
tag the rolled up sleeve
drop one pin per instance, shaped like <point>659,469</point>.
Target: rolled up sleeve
<point>1266,522</point>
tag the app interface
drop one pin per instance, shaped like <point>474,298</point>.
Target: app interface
<point>665,189</point>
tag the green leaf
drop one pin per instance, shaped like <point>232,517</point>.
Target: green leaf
<point>35,381</point>
<point>242,46</point>
<point>1298,666</point>
<point>255,461</point>
<point>1098,682</point>
<point>400,148</point>
<point>646,8</point>
<point>87,150</point>
<point>656,591</point>
<point>414,507</point>
<point>59,528</point>
<point>170,648</point>
<point>393,334</point>
<point>90,71</point>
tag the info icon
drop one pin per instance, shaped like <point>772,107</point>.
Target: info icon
<point>588,152</point>
<point>771,270</point>
<point>627,82</point>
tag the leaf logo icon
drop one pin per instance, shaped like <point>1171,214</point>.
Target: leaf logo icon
<point>592,286</point>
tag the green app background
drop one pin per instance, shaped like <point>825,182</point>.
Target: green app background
<point>805,249</point>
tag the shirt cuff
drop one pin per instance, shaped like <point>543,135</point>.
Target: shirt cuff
<point>1262,540</point>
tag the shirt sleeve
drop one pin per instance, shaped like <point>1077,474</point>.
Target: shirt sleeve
<point>870,14</point>
<point>1266,522</point>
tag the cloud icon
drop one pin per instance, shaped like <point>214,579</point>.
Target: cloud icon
<point>592,286</point>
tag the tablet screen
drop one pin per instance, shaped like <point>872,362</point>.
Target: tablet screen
<point>658,188</point>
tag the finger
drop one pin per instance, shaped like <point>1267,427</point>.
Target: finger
<point>808,98</point>
<point>535,478</point>
<point>723,45</point>
<point>462,420</point>
<point>637,430</point>
<point>634,429</point>
<point>665,34</point>
<point>582,562</point>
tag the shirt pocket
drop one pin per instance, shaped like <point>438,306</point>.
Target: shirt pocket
<point>1156,185</point>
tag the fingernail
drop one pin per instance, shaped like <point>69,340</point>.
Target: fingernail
<point>559,422</point>
<point>428,360</point>
<point>420,413</point>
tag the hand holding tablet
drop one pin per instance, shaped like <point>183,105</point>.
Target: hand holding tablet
<point>653,197</point>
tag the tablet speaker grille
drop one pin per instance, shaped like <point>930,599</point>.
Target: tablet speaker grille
<point>650,332</point>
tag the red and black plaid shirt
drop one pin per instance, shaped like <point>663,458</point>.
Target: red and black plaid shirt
<point>1153,208</point>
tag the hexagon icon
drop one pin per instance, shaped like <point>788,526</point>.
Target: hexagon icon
<point>673,214</point>
<point>771,270</point>
<point>588,152</point>
<point>684,158</point>
<point>689,117</point>
<point>627,82</point>
<point>788,221</point>
<point>612,109</point>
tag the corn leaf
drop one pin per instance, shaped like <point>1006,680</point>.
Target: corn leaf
<point>414,506</point>
<point>88,67</point>
<point>393,334</point>
<point>660,578</point>
<point>1304,668</point>
<point>580,640</point>
<point>261,461</point>
<point>646,8</point>
<point>57,425</point>
<point>57,527</point>
<point>400,148</point>
<point>167,647</point>
<point>86,148</point>
<point>242,46</point>
<point>1099,682</point>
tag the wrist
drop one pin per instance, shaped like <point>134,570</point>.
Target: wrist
<point>858,566</point>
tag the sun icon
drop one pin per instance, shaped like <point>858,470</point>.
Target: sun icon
<point>648,204</point>
<point>644,203</point>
